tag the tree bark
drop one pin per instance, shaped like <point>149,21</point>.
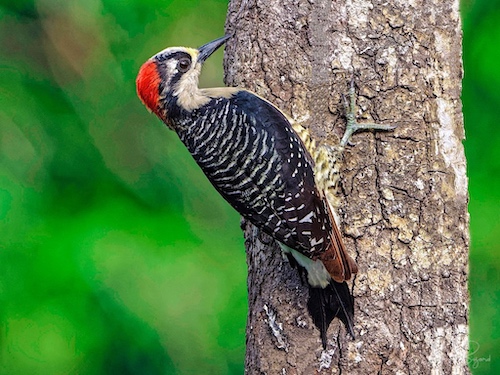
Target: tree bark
<point>403,195</point>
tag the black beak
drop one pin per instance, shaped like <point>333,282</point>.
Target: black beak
<point>207,49</point>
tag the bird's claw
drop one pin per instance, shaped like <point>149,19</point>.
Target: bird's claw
<point>352,126</point>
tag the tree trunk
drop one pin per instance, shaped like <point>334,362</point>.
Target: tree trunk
<point>403,194</point>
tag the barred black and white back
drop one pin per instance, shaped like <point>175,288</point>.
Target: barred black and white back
<point>259,166</point>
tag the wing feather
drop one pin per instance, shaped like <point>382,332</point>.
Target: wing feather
<point>267,176</point>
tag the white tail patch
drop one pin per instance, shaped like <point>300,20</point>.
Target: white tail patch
<point>317,275</point>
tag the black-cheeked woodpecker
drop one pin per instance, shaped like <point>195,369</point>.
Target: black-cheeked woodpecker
<point>255,159</point>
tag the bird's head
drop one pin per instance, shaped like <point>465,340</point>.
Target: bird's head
<point>173,73</point>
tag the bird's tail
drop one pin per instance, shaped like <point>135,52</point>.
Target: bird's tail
<point>328,299</point>
<point>334,301</point>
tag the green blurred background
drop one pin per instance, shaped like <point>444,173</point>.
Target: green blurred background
<point>116,255</point>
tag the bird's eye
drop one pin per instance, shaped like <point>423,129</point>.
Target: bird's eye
<point>183,65</point>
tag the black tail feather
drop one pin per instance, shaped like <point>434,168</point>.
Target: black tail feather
<point>326,304</point>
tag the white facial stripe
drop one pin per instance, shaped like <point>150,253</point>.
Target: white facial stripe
<point>172,66</point>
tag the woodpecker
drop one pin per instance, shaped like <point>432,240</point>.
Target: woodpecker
<point>255,159</point>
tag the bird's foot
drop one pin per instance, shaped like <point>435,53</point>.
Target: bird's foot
<point>352,125</point>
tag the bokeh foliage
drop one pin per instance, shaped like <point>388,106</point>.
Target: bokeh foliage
<point>116,254</point>
<point>481,106</point>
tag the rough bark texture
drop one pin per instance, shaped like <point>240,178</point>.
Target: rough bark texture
<point>403,198</point>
